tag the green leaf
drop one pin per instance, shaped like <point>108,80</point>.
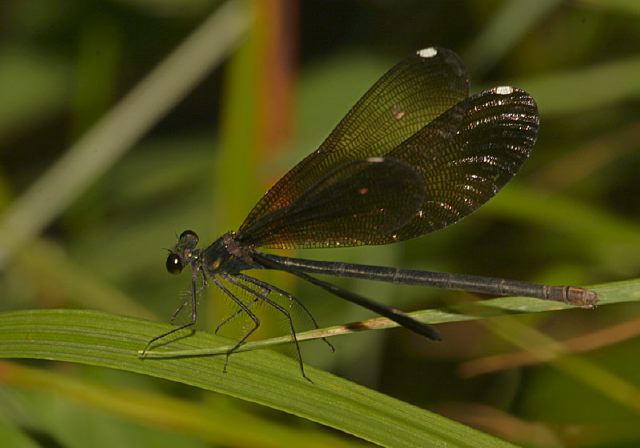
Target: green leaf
<point>263,377</point>
<point>167,421</point>
<point>611,293</point>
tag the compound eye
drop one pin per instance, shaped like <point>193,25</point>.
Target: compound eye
<point>188,239</point>
<point>174,264</point>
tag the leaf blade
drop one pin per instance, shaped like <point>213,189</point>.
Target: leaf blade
<point>263,377</point>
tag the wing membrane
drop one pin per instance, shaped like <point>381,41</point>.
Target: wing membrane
<point>374,196</point>
<point>444,172</point>
<point>409,96</point>
<point>424,153</point>
<point>463,168</point>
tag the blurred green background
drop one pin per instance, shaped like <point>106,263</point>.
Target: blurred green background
<point>249,95</point>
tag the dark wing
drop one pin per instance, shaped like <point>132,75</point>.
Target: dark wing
<point>408,97</point>
<point>352,203</point>
<point>451,167</point>
<point>463,167</point>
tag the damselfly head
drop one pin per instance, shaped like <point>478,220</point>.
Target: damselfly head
<point>183,253</point>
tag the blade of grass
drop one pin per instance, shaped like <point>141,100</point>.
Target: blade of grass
<point>261,376</point>
<point>220,425</point>
<point>619,292</point>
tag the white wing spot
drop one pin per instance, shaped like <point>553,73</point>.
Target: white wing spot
<point>504,90</point>
<point>427,52</point>
<point>375,159</point>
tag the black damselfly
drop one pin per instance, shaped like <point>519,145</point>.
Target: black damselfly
<point>414,155</point>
